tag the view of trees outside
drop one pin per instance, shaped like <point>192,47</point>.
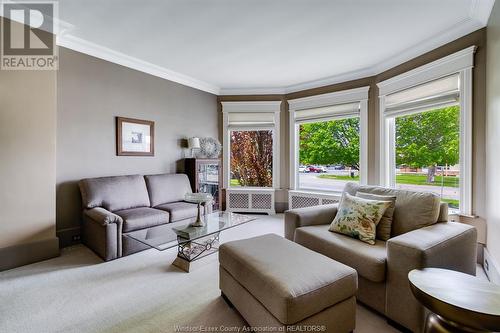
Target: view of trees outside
<point>252,158</point>
<point>427,153</point>
<point>329,154</point>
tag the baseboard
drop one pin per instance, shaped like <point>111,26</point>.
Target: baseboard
<point>69,236</point>
<point>28,253</point>
<point>480,253</point>
<point>490,267</point>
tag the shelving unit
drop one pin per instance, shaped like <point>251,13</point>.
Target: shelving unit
<point>206,177</point>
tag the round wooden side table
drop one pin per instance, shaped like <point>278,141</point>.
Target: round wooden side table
<point>459,302</point>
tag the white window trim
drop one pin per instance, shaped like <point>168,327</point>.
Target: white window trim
<point>461,62</point>
<point>340,97</point>
<point>251,107</point>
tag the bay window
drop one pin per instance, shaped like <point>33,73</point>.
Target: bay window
<point>251,144</point>
<point>426,130</point>
<point>328,140</point>
<point>251,162</point>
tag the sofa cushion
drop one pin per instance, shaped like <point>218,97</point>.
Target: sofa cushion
<point>290,281</point>
<point>180,210</point>
<point>368,260</point>
<point>385,224</point>
<point>140,218</point>
<point>114,193</point>
<point>167,188</point>
<point>358,217</point>
<point>414,210</point>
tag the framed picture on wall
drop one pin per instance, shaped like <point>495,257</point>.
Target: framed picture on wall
<point>135,137</point>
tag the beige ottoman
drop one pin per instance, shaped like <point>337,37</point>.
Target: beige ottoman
<point>274,282</point>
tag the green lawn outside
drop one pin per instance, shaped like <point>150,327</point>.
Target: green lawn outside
<point>406,179</point>
<point>453,203</point>
<point>235,182</point>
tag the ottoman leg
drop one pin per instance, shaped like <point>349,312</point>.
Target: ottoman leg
<point>224,297</point>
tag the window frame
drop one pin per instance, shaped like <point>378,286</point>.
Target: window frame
<point>461,63</point>
<point>357,95</point>
<point>256,107</point>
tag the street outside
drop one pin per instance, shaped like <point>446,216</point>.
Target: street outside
<point>312,181</point>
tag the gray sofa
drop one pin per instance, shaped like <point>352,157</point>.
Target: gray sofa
<point>421,237</point>
<point>114,207</point>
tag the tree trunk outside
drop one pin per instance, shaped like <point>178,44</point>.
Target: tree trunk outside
<point>431,172</point>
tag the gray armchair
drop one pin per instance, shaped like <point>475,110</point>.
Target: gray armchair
<point>421,237</point>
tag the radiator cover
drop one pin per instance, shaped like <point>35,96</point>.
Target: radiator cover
<point>250,200</point>
<point>301,199</point>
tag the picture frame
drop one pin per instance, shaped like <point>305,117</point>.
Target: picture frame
<point>134,137</point>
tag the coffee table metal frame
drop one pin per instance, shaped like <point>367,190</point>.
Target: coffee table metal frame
<point>193,242</point>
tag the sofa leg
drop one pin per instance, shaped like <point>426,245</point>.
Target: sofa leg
<point>224,297</point>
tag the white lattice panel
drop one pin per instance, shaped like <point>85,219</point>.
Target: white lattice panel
<point>262,201</point>
<point>250,200</point>
<point>239,200</point>
<point>329,201</point>
<point>301,201</point>
<point>297,199</point>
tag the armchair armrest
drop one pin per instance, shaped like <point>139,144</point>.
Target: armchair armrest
<point>102,216</point>
<point>302,217</point>
<point>446,245</point>
<point>102,232</point>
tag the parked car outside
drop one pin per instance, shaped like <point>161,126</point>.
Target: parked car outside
<point>302,168</point>
<point>322,168</point>
<point>316,169</point>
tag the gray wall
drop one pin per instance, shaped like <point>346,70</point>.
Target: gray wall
<point>27,167</point>
<point>91,93</point>
<point>493,134</point>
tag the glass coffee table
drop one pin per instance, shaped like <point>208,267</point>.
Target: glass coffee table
<point>192,242</point>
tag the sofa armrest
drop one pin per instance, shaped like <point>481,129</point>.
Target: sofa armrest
<point>302,217</point>
<point>102,216</point>
<point>444,245</point>
<point>102,232</point>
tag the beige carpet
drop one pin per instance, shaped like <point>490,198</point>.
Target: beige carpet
<point>77,292</point>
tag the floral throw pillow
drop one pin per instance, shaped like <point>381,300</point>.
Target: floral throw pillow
<point>358,217</point>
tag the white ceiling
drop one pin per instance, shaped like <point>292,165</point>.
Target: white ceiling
<point>264,46</point>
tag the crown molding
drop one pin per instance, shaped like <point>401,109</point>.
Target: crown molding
<point>251,106</point>
<point>101,52</point>
<point>252,91</point>
<point>354,75</point>
<point>338,97</point>
<point>477,18</point>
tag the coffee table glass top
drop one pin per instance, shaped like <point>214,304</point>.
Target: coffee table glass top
<point>166,236</point>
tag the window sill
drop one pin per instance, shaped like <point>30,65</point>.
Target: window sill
<point>456,212</point>
<point>316,192</point>
<point>249,189</point>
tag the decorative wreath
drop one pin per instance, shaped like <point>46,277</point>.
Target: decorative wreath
<point>209,148</point>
